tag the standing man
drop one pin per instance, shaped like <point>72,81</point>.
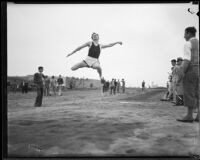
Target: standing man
<point>190,70</point>
<point>115,86</point>
<point>39,81</point>
<point>123,86</point>
<point>173,85</point>
<point>112,85</point>
<point>47,86</point>
<point>60,83</point>
<point>143,85</point>
<point>53,85</point>
<point>171,95</point>
<point>14,86</point>
<point>23,87</point>
<point>178,82</point>
<point>118,86</point>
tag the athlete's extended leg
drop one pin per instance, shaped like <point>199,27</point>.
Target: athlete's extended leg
<point>79,65</point>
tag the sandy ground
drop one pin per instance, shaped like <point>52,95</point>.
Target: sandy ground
<point>85,123</point>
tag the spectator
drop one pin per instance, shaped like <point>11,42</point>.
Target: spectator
<point>53,85</point>
<point>178,82</point>
<point>39,81</point>
<point>143,85</point>
<point>26,87</point>
<point>118,86</point>
<point>190,69</point>
<point>112,85</point>
<point>47,86</point>
<point>123,86</point>
<point>60,83</point>
<point>115,86</point>
<point>23,87</point>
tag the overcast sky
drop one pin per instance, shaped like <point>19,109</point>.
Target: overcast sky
<point>152,34</point>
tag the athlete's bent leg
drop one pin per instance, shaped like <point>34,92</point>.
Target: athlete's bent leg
<point>99,70</point>
<point>79,65</point>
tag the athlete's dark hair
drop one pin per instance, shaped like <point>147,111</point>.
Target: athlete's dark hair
<point>191,30</point>
<point>93,34</point>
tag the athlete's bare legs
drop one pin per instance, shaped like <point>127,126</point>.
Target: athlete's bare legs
<point>98,68</point>
<point>79,65</point>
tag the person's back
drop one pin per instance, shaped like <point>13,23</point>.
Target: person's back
<point>38,80</point>
<point>47,82</point>
<point>60,81</point>
<point>53,83</point>
<point>123,86</point>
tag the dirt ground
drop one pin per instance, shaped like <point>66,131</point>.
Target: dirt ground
<point>84,122</point>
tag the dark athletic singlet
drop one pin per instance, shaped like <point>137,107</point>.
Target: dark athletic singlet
<point>94,51</point>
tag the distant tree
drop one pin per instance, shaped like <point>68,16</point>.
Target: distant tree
<point>91,85</point>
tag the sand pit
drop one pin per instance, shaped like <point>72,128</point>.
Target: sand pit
<point>86,123</point>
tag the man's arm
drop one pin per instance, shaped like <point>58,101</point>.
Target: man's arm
<point>110,45</point>
<point>186,56</point>
<point>79,48</point>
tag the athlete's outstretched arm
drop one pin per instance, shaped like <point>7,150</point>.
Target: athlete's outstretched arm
<point>79,48</point>
<point>110,45</point>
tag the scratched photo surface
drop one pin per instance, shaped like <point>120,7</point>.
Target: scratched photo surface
<point>83,116</point>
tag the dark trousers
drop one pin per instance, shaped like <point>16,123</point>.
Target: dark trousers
<point>112,90</point>
<point>191,87</point>
<point>179,100</point>
<point>38,100</point>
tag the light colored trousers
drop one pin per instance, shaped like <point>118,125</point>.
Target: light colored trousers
<point>60,89</point>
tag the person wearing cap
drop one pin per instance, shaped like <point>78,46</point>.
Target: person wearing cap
<point>143,85</point>
<point>190,68</point>
<point>47,86</point>
<point>171,95</point>
<point>39,81</point>
<point>178,78</point>
<point>92,60</point>
<point>118,86</point>
<point>53,83</point>
<point>123,86</point>
<point>112,85</point>
<point>60,83</point>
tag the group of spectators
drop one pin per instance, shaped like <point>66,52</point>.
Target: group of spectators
<point>183,88</point>
<point>175,84</point>
<point>46,86</point>
<point>51,85</point>
<point>114,86</point>
<point>14,87</point>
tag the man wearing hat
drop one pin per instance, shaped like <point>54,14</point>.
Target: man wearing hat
<point>178,78</point>
<point>171,82</point>
<point>190,68</point>
<point>39,81</point>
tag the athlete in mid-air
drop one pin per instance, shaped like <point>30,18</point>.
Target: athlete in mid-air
<point>92,60</point>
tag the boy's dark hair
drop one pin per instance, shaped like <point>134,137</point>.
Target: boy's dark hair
<point>191,30</point>
<point>40,67</point>
<point>173,60</point>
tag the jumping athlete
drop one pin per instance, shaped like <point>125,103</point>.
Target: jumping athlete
<point>92,60</point>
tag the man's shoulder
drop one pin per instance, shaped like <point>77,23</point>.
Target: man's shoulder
<point>36,74</point>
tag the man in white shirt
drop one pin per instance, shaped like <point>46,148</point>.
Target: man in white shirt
<point>190,68</point>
